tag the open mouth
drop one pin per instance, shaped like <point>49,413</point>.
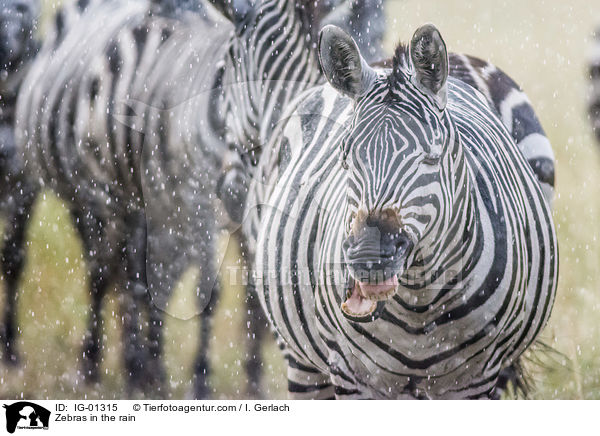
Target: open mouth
<point>365,301</point>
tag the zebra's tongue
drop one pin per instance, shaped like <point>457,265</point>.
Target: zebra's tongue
<point>360,309</point>
<point>380,291</point>
<point>356,306</point>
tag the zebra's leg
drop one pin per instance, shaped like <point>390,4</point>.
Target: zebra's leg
<point>308,383</point>
<point>257,327</point>
<point>202,363</point>
<point>208,298</point>
<point>92,349</point>
<point>143,359</point>
<point>93,342</point>
<point>134,302</point>
<point>511,376</point>
<point>133,359</point>
<point>155,370</point>
<point>90,229</point>
<point>13,260</point>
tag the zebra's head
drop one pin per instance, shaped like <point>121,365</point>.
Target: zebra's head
<point>398,152</point>
<point>17,27</point>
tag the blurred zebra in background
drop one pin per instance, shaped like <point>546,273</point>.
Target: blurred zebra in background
<point>139,181</point>
<point>406,249</point>
<point>594,84</point>
<point>79,134</point>
<point>18,47</point>
<point>364,20</point>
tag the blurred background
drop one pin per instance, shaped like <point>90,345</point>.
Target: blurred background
<point>541,44</point>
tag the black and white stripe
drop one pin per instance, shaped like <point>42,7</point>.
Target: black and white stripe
<point>520,118</point>
<point>459,218</point>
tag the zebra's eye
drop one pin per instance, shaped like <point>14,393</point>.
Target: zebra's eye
<point>434,154</point>
<point>432,158</point>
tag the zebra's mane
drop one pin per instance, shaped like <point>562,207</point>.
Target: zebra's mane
<point>400,61</point>
<point>399,64</point>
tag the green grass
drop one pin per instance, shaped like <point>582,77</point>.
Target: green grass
<point>541,44</point>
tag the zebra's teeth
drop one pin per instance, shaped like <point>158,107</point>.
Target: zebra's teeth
<point>382,296</point>
<point>381,291</point>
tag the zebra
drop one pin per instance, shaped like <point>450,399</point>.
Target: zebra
<point>406,247</point>
<point>18,47</point>
<point>104,64</point>
<point>593,103</point>
<point>19,25</point>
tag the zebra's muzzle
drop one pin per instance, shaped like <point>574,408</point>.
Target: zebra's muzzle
<point>377,262</point>
<point>375,254</point>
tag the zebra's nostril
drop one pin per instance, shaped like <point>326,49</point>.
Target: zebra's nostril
<point>401,243</point>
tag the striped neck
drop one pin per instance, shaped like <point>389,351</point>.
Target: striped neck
<point>272,61</point>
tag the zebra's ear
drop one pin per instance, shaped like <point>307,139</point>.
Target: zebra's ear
<point>236,11</point>
<point>344,67</point>
<point>430,63</point>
